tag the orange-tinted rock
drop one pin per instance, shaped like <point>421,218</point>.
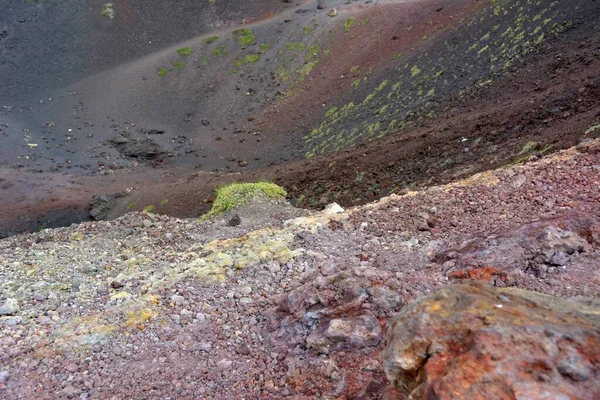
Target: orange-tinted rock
<point>532,248</point>
<point>471,341</point>
<point>484,274</point>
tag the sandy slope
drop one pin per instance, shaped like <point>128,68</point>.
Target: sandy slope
<point>221,120</point>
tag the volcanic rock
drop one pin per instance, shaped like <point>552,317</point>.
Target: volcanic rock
<point>10,307</point>
<point>101,206</point>
<point>531,248</point>
<point>471,341</point>
<point>358,332</point>
<point>142,148</point>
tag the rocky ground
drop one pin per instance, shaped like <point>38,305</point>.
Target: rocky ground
<point>297,304</point>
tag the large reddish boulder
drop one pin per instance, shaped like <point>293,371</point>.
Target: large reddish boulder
<point>472,341</point>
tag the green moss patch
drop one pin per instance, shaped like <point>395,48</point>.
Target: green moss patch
<point>245,37</point>
<point>162,71</point>
<point>219,51</point>
<point>252,58</point>
<point>348,23</point>
<point>211,39</point>
<point>529,150</point>
<point>185,51</point>
<point>108,10</point>
<point>237,194</point>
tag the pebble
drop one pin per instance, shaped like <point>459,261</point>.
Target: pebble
<point>224,364</point>
<point>333,208</point>
<point>11,321</point>
<point>4,377</point>
<point>10,307</point>
<point>246,290</point>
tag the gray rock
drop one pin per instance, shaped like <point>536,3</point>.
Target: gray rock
<point>101,205</point>
<point>356,332</point>
<point>234,221</point>
<point>11,321</point>
<point>204,346</point>
<point>200,317</point>
<point>10,307</point>
<point>333,208</point>
<point>559,259</point>
<point>224,364</point>
<point>178,299</point>
<point>246,290</point>
<point>4,377</point>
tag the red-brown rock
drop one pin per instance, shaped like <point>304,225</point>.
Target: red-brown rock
<point>471,341</point>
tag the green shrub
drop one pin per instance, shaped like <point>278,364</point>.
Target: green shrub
<point>237,194</point>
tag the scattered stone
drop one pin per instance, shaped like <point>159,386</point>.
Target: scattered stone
<point>116,285</point>
<point>333,12</point>
<point>333,208</point>
<point>234,221</point>
<point>178,299</point>
<point>155,132</point>
<point>531,248</point>
<point>11,321</point>
<point>321,5</point>
<point>357,332</point>
<point>10,307</point>
<point>224,364</point>
<point>470,339</point>
<point>101,205</point>
<point>4,377</point>
<point>246,290</point>
<point>142,148</point>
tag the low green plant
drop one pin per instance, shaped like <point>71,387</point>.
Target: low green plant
<point>108,10</point>
<point>348,23</point>
<point>295,46</point>
<point>245,37</point>
<point>130,205</point>
<point>149,209</point>
<point>529,150</point>
<point>178,64</point>
<point>185,51</point>
<point>237,194</point>
<point>252,58</point>
<point>164,201</point>
<point>211,39</point>
<point>219,51</point>
<point>593,129</point>
<point>265,46</point>
<point>162,71</point>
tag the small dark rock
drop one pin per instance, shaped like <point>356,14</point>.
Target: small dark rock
<point>116,285</point>
<point>234,221</point>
